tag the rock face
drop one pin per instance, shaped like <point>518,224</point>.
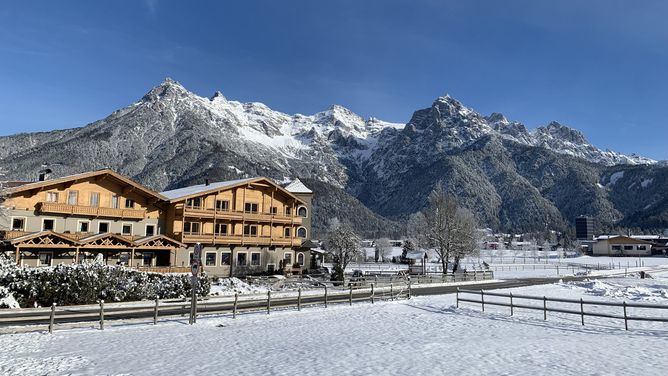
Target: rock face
<point>366,171</point>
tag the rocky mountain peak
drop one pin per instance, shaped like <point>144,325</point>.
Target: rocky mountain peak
<point>218,96</point>
<point>555,129</point>
<point>168,89</point>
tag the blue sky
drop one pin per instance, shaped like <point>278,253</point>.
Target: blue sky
<point>599,66</point>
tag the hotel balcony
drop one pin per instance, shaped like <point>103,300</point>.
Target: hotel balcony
<point>92,211</point>
<point>237,215</point>
<point>220,239</point>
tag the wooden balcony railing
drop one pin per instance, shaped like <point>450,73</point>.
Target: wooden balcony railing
<point>200,212</point>
<point>208,238</point>
<point>58,208</point>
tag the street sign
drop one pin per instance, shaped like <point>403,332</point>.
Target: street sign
<point>197,253</point>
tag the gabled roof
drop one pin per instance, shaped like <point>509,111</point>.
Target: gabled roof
<point>194,190</point>
<point>184,193</point>
<point>153,238</point>
<point>105,171</point>
<point>296,186</point>
<point>104,235</point>
<point>34,235</point>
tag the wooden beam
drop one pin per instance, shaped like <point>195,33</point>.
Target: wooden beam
<point>76,256</point>
<point>132,257</point>
<point>18,253</point>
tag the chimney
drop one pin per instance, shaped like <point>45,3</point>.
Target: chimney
<point>44,173</point>
<point>206,182</point>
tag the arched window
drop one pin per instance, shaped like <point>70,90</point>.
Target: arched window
<point>300,259</point>
<point>302,211</point>
<point>301,232</point>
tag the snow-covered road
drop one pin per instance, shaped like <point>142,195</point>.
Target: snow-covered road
<point>423,336</point>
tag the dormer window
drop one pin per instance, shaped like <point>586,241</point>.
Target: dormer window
<point>129,204</point>
<point>51,196</point>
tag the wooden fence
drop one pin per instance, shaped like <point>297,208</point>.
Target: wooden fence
<point>623,307</point>
<point>155,310</point>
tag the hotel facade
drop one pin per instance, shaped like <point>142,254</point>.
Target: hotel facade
<point>245,226</point>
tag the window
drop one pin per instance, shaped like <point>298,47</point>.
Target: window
<point>147,258</point>
<point>126,229</point>
<point>271,268</point>
<point>616,247</point>
<point>642,248</point>
<point>288,211</point>
<point>51,196</point>
<point>103,227</point>
<point>286,232</point>
<point>124,258</point>
<point>274,210</point>
<point>250,230</point>
<point>302,212</point>
<point>191,255</point>
<point>72,198</point>
<point>84,226</point>
<point>628,248</point>
<point>225,258</point>
<point>241,259</point>
<point>129,204</point>
<point>210,259</point>
<point>222,205</point>
<point>250,207</point>
<point>48,224</point>
<point>221,228</point>
<point>194,202</point>
<point>287,259</point>
<point>300,259</point>
<point>301,232</point>
<point>18,224</point>
<point>95,199</point>
<point>115,201</point>
<point>191,227</point>
<point>45,258</point>
<point>150,230</point>
<point>255,259</point>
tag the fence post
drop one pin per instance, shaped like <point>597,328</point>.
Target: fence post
<point>234,308</point>
<point>391,292</point>
<point>626,322</point>
<point>101,314</point>
<point>582,312</point>
<point>372,293</point>
<point>52,318</point>
<point>325,296</point>
<point>268,301</point>
<point>409,288</point>
<point>350,296</point>
<point>475,275</point>
<point>155,312</point>
<point>482,299</point>
<point>457,297</point>
<point>299,299</point>
<point>511,304</point>
<point>544,308</point>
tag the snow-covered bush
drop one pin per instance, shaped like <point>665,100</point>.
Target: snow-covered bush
<point>89,283</point>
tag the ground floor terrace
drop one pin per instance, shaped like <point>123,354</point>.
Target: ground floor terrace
<point>157,253</point>
<point>49,248</point>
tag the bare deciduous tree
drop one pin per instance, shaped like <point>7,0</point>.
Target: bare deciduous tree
<point>382,249</point>
<point>450,231</point>
<point>343,245</point>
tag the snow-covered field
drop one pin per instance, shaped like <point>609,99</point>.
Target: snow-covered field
<point>421,336</point>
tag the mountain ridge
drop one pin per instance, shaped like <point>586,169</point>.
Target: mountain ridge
<point>172,137</point>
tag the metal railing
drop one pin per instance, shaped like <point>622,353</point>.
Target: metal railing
<point>581,303</point>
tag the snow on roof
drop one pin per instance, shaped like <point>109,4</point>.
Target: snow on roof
<point>195,189</point>
<point>297,187</point>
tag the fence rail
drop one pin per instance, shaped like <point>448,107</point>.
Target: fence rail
<point>155,310</point>
<point>624,315</point>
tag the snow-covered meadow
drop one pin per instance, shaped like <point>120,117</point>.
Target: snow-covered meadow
<point>421,336</point>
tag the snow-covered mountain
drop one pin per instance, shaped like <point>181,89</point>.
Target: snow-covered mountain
<point>172,137</point>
